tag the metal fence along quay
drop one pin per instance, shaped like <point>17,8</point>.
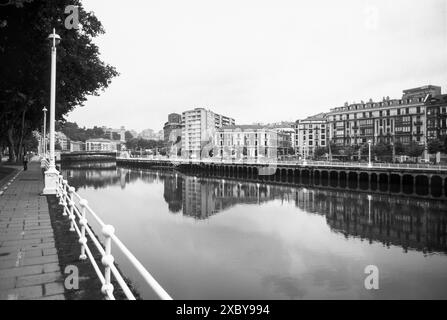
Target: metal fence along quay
<point>78,211</point>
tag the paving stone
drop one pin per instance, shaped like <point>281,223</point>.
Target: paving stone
<point>51,267</point>
<point>39,260</point>
<point>7,283</point>
<point>22,293</point>
<point>21,271</point>
<point>32,280</point>
<point>54,288</point>
<point>53,297</point>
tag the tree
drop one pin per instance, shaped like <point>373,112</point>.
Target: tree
<point>25,67</point>
<point>435,146</point>
<point>128,135</point>
<point>382,149</point>
<point>320,152</point>
<point>399,148</point>
<point>414,150</point>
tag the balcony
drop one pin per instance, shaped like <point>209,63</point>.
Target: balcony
<point>418,123</point>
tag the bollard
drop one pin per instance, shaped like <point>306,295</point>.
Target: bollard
<point>83,223</point>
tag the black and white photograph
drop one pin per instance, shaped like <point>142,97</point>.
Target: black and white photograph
<point>223,154</point>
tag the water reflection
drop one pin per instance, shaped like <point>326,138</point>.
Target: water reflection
<point>391,220</point>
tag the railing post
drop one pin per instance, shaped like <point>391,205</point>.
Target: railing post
<point>83,223</point>
<point>107,259</point>
<point>64,197</point>
<point>71,203</point>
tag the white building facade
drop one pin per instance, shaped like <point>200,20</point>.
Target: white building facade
<point>100,144</point>
<point>311,133</point>
<point>198,128</point>
<point>245,142</point>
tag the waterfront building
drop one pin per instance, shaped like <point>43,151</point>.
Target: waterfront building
<point>173,128</point>
<point>174,118</point>
<point>172,132</point>
<point>246,142</point>
<point>100,144</point>
<point>198,128</point>
<point>285,136</point>
<point>437,117</point>
<point>310,134</point>
<point>389,121</point>
<point>76,146</point>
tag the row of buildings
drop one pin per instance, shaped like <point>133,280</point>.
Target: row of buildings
<point>417,117</point>
<point>64,144</point>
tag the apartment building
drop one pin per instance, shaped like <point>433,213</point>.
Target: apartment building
<point>101,144</point>
<point>390,120</point>
<point>246,142</point>
<point>198,128</point>
<point>437,117</point>
<point>310,133</point>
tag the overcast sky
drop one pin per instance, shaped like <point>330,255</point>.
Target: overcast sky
<point>261,61</point>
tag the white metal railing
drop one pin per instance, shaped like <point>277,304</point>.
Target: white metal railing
<point>410,166</point>
<point>77,210</point>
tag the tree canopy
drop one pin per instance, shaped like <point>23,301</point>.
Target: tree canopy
<point>25,67</point>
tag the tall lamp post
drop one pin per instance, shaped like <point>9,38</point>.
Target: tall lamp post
<point>51,175</point>
<point>369,154</point>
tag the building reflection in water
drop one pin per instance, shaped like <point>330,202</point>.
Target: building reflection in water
<point>393,220</point>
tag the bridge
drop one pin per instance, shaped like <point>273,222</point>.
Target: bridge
<point>409,179</point>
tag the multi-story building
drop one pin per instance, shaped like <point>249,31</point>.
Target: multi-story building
<point>391,120</point>
<point>174,118</point>
<point>310,134</point>
<point>172,128</point>
<point>172,134</point>
<point>76,146</point>
<point>437,117</point>
<point>246,141</point>
<point>199,126</point>
<point>101,144</point>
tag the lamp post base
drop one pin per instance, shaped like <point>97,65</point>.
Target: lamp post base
<point>51,178</point>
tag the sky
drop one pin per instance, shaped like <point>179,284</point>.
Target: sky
<point>261,61</point>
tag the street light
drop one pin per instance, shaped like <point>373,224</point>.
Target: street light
<point>51,175</point>
<point>369,154</point>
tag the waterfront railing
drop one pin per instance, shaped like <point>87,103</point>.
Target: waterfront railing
<point>79,212</point>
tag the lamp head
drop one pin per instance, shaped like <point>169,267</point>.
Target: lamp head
<point>44,109</point>
<point>54,39</point>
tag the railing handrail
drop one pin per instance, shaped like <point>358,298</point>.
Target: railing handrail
<point>76,208</point>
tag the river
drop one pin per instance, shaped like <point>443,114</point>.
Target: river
<point>206,238</point>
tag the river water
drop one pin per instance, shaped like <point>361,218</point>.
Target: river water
<point>205,238</point>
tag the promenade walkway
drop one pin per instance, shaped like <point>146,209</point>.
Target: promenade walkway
<point>29,264</point>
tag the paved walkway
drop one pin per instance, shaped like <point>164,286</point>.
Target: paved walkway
<point>29,265</point>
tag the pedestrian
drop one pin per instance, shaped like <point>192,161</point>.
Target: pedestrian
<point>25,162</point>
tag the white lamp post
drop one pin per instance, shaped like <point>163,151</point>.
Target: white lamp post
<point>369,154</point>
<point>51,175</point>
